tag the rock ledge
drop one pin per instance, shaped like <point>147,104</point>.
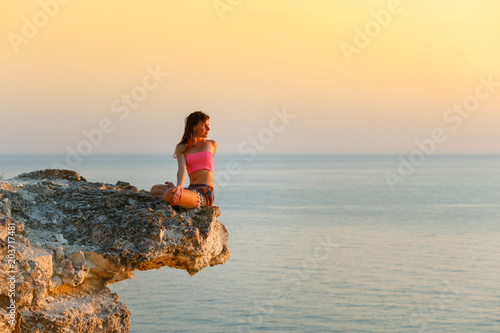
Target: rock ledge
<point>68,239</point>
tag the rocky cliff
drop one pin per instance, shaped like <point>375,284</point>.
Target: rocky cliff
<point>63,240</point>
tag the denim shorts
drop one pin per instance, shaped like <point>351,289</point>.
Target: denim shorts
<point>205,193</point>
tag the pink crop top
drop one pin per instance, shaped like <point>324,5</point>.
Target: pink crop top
<point>199,161</point>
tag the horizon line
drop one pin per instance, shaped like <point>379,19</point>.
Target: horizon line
<point>259,153</point>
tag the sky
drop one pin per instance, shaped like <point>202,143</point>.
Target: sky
<point>286,76</point>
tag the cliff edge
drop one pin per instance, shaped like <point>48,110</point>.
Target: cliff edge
<point>63,240</point>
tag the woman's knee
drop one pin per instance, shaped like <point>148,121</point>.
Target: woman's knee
<point>168,196</point>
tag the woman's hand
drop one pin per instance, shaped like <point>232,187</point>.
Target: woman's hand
<point>169,184</point>
<point>177,194</point>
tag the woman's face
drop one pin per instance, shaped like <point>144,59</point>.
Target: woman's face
<point>201,130</point>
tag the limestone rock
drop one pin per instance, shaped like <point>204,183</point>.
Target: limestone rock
<point>87,236</point>
<point>79,314</point>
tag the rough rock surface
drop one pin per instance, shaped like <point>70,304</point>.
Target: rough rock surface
<point>68,239</point>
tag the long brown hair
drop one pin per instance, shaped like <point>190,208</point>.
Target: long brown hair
<point>191,121</point>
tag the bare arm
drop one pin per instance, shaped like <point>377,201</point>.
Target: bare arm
<point>181,172</point>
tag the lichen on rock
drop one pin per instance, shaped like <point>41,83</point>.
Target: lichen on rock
<point>73,238</point>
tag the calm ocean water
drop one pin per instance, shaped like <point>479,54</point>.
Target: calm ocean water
<point>322,244</point>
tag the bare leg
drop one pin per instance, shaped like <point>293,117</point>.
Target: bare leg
<point>158,190</point>
<point>188,200</point>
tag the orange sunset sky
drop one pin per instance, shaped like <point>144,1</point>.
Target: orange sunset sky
<point>358,76</point>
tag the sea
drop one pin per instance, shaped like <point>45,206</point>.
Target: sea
<point>324,243</point>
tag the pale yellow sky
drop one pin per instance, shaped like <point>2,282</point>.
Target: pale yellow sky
<point>67,67</point>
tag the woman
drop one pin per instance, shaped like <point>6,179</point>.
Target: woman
<point>195,155</point>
